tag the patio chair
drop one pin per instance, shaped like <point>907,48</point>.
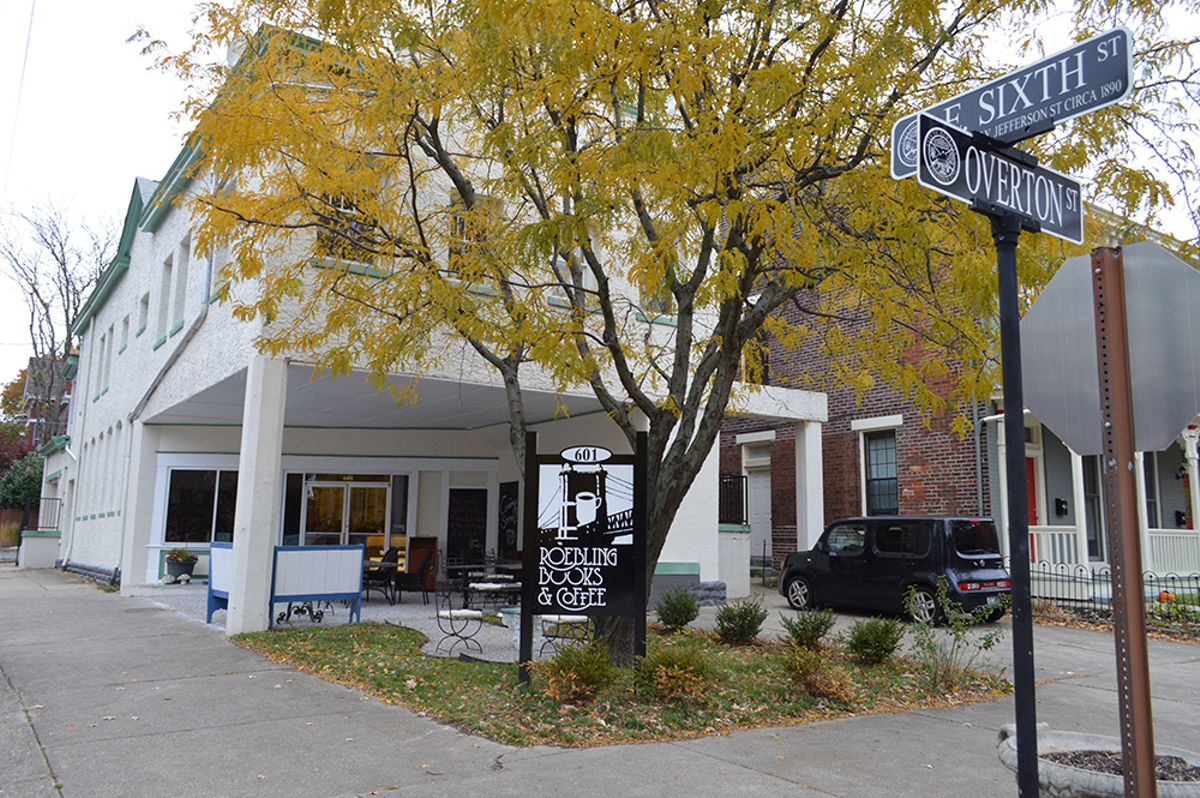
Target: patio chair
<point>458,625</point>
<point>381,578</point>
<point>561,629</point>
<point>417,580</point>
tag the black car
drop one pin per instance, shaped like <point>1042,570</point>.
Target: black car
<point>873,563</point>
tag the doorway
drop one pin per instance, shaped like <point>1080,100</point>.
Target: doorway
<point>346,510</point>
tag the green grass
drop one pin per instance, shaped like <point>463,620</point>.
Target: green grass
<point>749,688</point>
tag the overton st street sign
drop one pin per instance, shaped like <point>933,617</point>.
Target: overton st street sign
<point>1032,99</point>
<point>998,180</point>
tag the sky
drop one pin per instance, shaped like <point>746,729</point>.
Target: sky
<point>92,117</point>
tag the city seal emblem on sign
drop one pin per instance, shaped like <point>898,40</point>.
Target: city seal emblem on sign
<point>908,145</point>
<point>941,156</point>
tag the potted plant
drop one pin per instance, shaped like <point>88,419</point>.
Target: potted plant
<point>179,562</point>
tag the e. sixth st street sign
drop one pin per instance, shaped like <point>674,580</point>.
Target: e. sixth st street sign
<point>1001,181</point>
<point>1032,99</point>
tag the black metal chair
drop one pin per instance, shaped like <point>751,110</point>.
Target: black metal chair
<point>457,624</point>
<point>417,580</point>
<point>382,578</point>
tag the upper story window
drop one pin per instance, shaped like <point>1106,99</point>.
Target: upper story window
<point>470,228</point>
<point>346,232</point>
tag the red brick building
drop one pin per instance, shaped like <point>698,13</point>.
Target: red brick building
<point>881,453</point>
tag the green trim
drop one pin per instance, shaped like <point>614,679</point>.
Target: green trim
<point>733,528</point>
<point>348,266</point>
<point>160,342</point>
<point>141,330</point>
<point>70,367</point>
<point>108,283</point>
<point>662,318</point>
<point>121,351</point>
<point>41,533</point>
<point>96,398</point>
<point>54,477</point>
<point>55,444</point>
<point>176,328</point>
<point>219,294</point>
<point>178,178</point>
<point>677,568</point>
<point>104,391</point>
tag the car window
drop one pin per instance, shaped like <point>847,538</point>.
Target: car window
<point>903,538</point>
<point>975,538</point>
<point>846,539</point>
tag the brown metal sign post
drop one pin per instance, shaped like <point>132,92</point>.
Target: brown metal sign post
<point>1129,619</point>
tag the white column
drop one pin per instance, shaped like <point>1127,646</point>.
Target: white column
<point>1001,509</point>
<point>1188,441</point>
<point>1143,518</point>
<point>810,492</point>
<point>256,519</point>
<point>1077,496</point>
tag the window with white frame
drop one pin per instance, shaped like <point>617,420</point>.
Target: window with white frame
<point>200,505</point>
<point>879,469</point>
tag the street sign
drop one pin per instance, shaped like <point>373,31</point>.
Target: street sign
<point>998,180</point>
<point>1032,99</point>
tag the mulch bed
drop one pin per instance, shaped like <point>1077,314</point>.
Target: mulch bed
<point>1167,768</point>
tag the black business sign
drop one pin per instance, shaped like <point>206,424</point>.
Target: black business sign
<point>998,180</point>
<point>586,557</point>
<point>1030,100</point>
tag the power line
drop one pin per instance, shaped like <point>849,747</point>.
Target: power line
<point>12,142</point>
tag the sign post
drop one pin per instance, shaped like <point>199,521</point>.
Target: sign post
<point>960,147</point>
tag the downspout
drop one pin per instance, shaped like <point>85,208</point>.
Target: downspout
<point>978,456</point>
<point>172,358</point>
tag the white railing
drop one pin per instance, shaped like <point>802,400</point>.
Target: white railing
<point>1174,551</point>
<point>1053,544</point>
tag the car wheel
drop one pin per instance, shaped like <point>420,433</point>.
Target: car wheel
<point>799,594</point>
<point>922,606</point>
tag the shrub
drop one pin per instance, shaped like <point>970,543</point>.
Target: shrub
<point>740,621</point>
<point>22,482</point>
<point>809,669</point>
<point>874,640</point>
<point>808,627</point>
<point>673,672</point>
<point>677,607</point>
<point>577,672</point>
<point>945,660</point>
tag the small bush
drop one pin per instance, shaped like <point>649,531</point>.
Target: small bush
<point>673,672</point>
<point>809,669</point>
<point>808,627</point>
<point>946,659</point>
<point>578,672</point>
<point>874,640</point>
<point>677,608</point>
<point>740,621</point>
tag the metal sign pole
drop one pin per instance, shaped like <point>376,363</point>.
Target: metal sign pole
<point>1129,619</point>
<point>1005,232</point>
<point>529,546</point>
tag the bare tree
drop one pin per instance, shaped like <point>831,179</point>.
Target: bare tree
<point>55,261</point>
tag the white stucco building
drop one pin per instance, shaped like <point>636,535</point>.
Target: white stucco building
<point>181,433</point>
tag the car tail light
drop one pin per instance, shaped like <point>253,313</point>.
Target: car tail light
<point>991,584</point>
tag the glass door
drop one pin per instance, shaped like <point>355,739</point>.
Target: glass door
<point>346,512</point>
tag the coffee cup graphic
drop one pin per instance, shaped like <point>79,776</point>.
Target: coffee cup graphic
<point>586,505</point>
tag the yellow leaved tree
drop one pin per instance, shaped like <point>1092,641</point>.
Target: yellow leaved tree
<point>624,195</point>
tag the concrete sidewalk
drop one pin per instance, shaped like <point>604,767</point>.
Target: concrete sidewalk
<point>105,695</point>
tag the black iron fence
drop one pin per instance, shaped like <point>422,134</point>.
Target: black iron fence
<point>41,515</point>
<point>732,500</point>
<point>1170,599</point>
